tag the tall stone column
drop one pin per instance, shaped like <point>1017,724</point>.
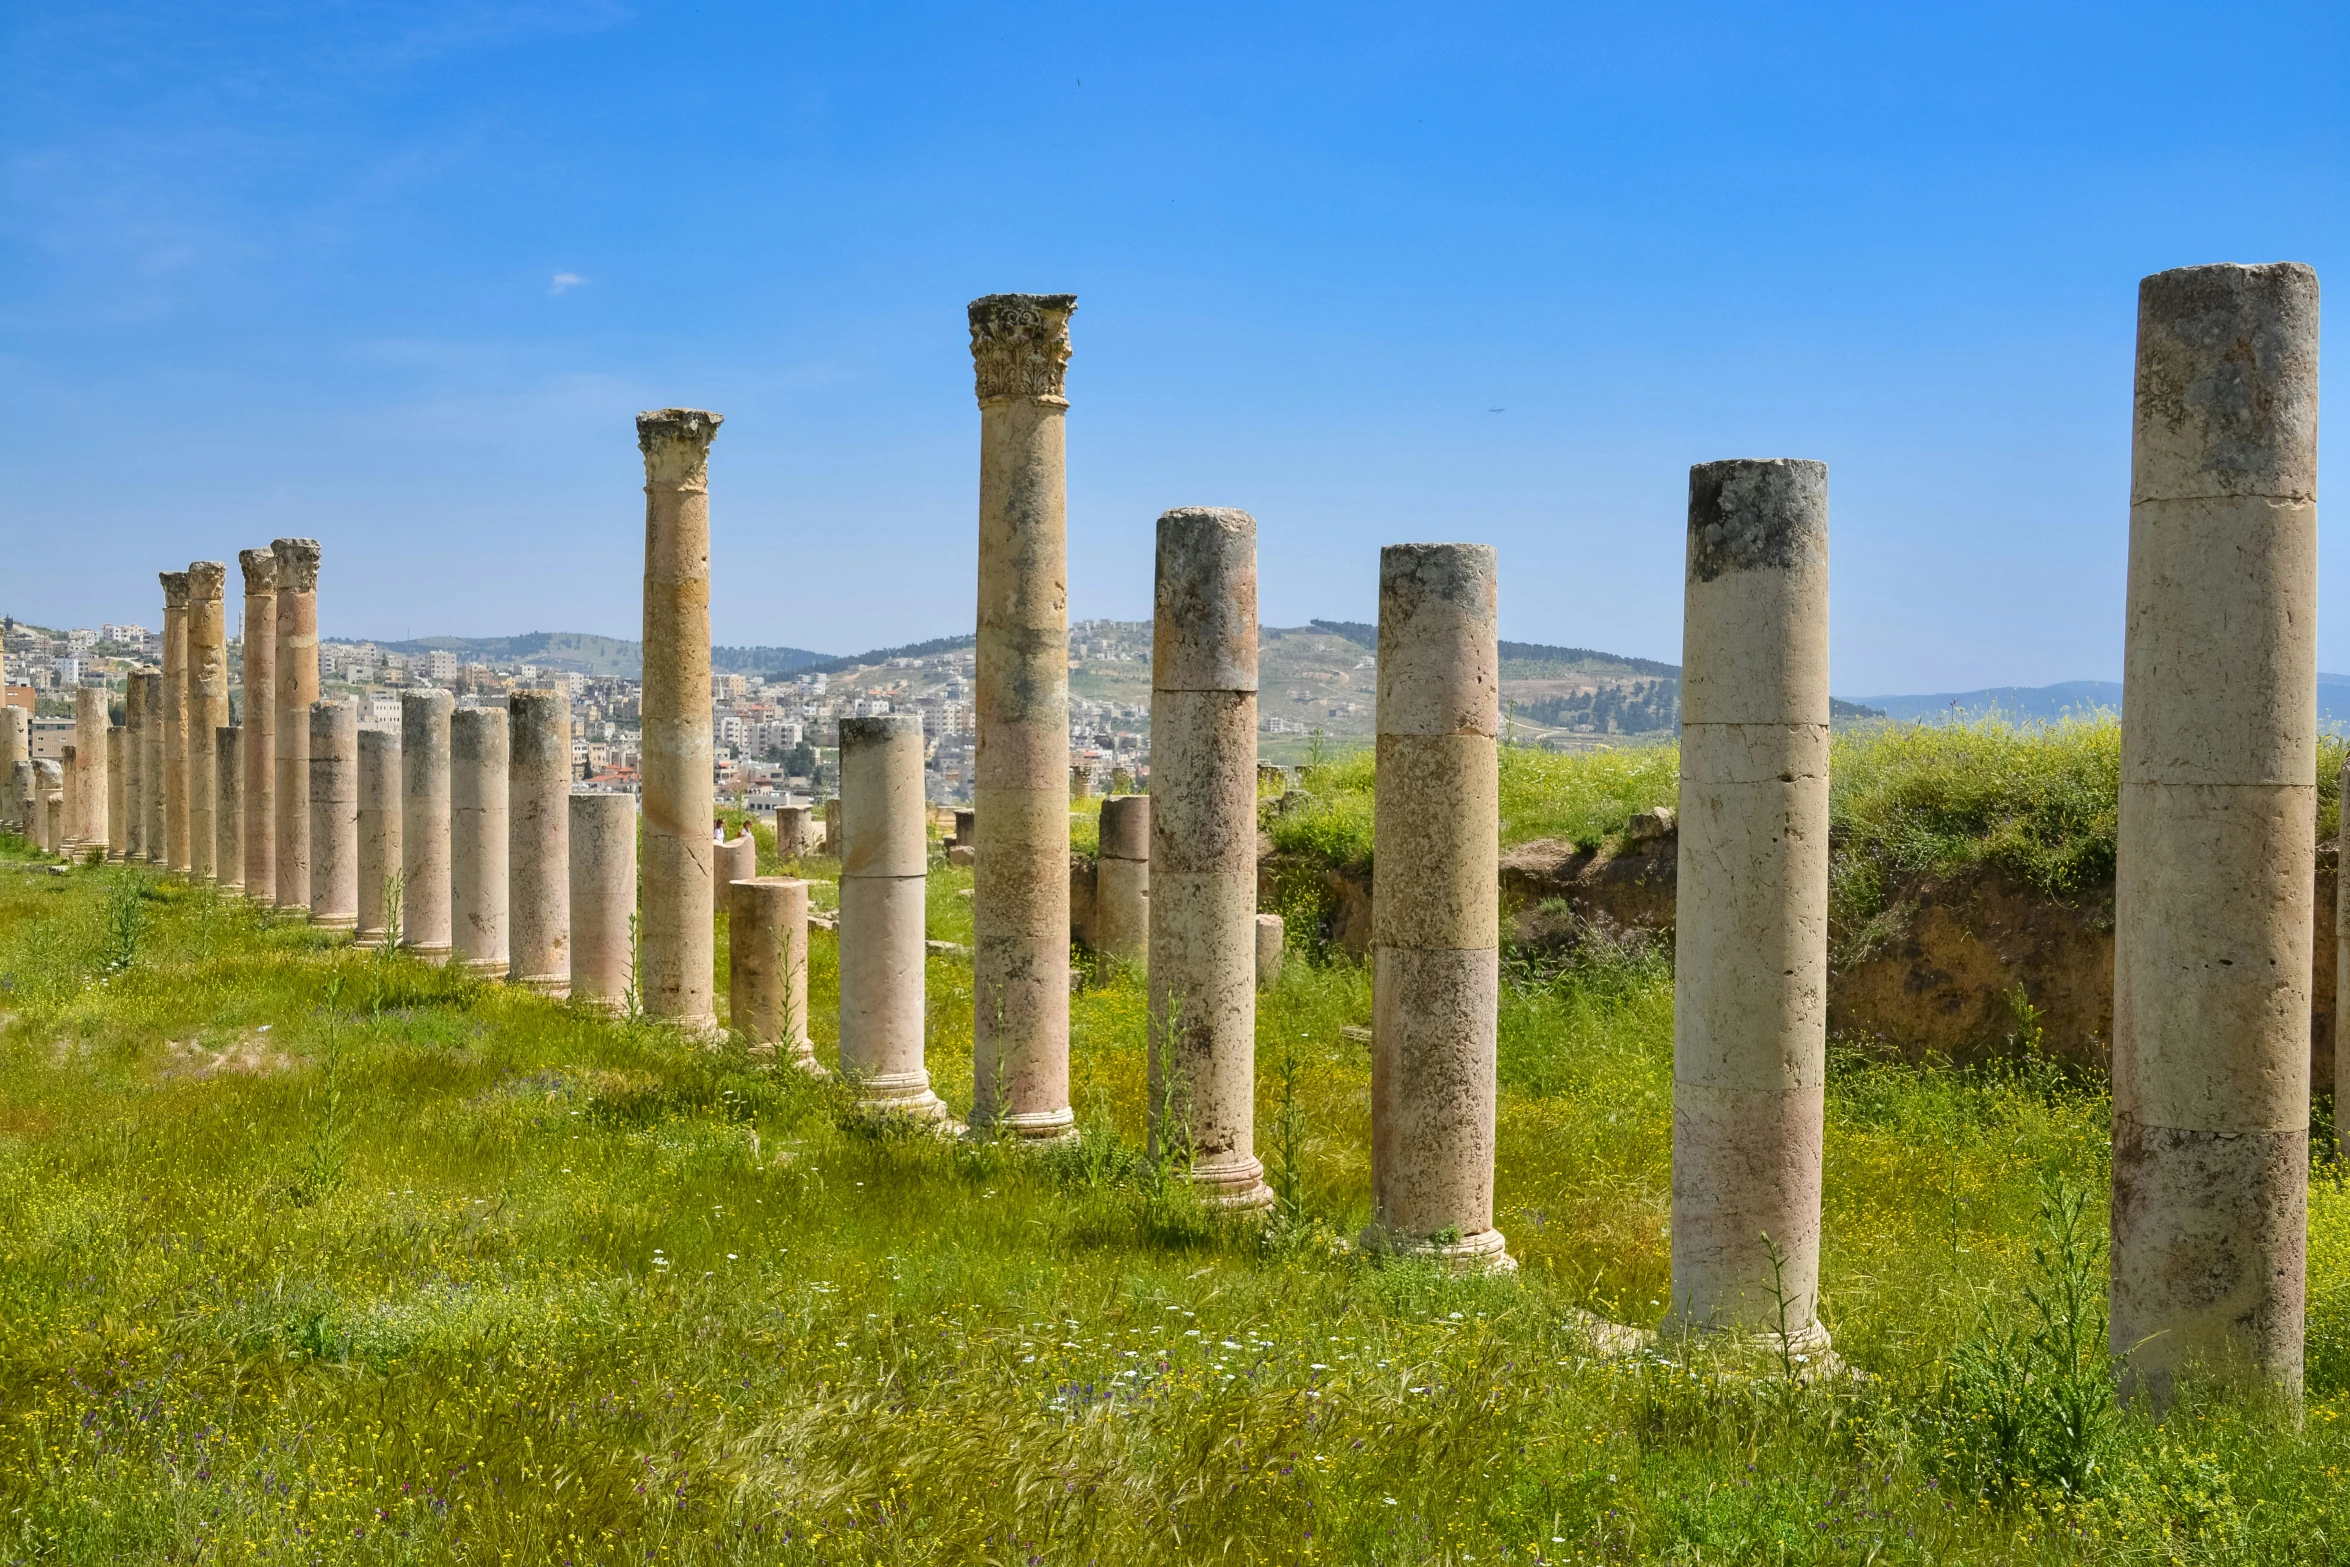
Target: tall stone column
<point>93,791</point>
<point>334,815</point>
<point>118,819</point>
<point>1122,880</point>
<point>539,840</point>
<point>1750,1021</point>
<point>228,792</point>
<point>296,674</point>
<point>16,745</point>
<point>1202,815</point>
<point>175,724</point>
<point>259,745</point>
<point>207,711</point>
<point>134,768</point>
<point>154,703</point>
<point>425,921</point>
<point>884,883</point>
<point>382,900</point>
<point>1020,877</point>
<point>767,968</point>
<point>679,938</point>
<point>603,900</point>
<point>478,839</point>
<point>1435,903</point>
<point>2212,916</point>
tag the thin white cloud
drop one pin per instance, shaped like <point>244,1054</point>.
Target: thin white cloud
<point>565,281</point>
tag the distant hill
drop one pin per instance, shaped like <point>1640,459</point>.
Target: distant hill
<point>2068,696</point>
<point>612,658</point>
<point>837,666</point>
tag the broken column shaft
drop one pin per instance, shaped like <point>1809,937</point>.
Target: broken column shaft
<point>1020,878</point>
<point>767,968</point>
<point>92,793</point>
<point>603,899</point>
<point>1202,815</point>
<point>884,885</point>
<point>539,840</point>
<point>1122,879</point>
<point>1435,899</point>
<point>382,824</point>
<point>334,815</point>
<point>2212,893</point>
<point>679,937</point>
<point>1750,1020</point>
<point>425,924</point>
<point>478,837</point>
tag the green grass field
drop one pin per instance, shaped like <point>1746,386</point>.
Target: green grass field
<point>307,1255</point>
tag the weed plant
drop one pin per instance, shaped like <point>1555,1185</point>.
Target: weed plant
<point>309,1255</point>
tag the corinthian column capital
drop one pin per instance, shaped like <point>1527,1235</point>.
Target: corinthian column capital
<point>1020,346</point>
<point>207,579</point>
<point>175,588</point>
<point>297,565</point>
<point>260,570</point>
<point>676,444</point>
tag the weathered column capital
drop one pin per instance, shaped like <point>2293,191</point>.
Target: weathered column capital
<point>676,444</point>
<point>297,565</point>
<point>175,589</point>
<point>207,579</point>
<point>1020,346</point>
<point>260,570</point>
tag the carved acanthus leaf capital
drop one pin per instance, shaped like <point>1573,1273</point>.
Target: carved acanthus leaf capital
<point>297,565</point>
<point>175,588</point>
<point>676,444</point>
<point>1020,346</point>
<point>207,579</point>
<point>260,570</point>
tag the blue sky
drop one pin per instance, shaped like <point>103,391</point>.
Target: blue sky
<point>399,276</point>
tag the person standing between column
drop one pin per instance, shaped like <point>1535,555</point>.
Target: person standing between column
<point>1203,851</point>
<point>1435,904</point>
<point>1020,877</point>
<point>2212,891</point>
<point>538,905</point>
<point>259,744</point>
<point>884,885</point>
<point>425,922</point>
<point>297,687</point>
<point>207,712</point>
<point>1750,964</point>
<point>175,723</point>
<point>678,978</point>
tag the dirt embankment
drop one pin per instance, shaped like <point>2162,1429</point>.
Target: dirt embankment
<point>1943,984</point>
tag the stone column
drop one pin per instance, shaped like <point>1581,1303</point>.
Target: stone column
<point>832,837</point>
<point>733,859</point>
<point>207,711</point>
<point>884,883</point>
<point>334,815</point>
<point>118,819</point>
<point>603,900</point>
<point>175,731</point>
<point>260,742</point>
<point>296,674</point>
<point>94,788</point>
<point>1751,949</point>
<point>133,835</point>
<point>16,813</point>
<point>794,832</point>
<point>1202,816</point>
<point>478,838</point>
<point>1122,880</point>
<point>67,775</point>
<point>52,807</point>
<point>1435,902</point>
<point>1269,943</point>
<point>2212,915</point>
<point>1020,898</point>
<point>228,792</point>
<point>153,703</point>
<point>425,923</point>
<point>767,968</point>
<point>383,910</point>
<point>679,938</point>
<point>16,745</point>
<point>539,840</point>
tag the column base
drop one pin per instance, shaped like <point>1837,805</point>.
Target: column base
<point>1033,1128</point>
<point>1808,1346</point>
<point>1238,1185</point>
<point>370,939</point>
<point>487,968</point>
<point>555,985</point>
<point>335,921</point>
<point>428,952</point>
<point>1486,1251</point>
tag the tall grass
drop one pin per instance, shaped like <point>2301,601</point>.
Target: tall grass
<point>582,1290</point>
